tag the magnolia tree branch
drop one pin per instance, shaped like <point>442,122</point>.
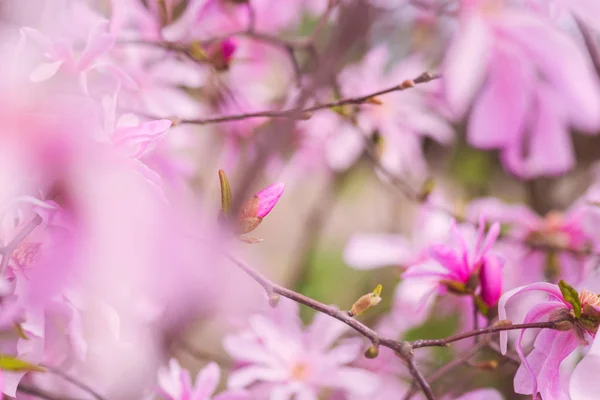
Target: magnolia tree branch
<point>306,112</point>
<point>403,349</point>
<point>499,326</point>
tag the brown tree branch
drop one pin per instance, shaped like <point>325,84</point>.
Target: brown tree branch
<point>498,327</point>
<point>305,113</point>
<point>402,349</point>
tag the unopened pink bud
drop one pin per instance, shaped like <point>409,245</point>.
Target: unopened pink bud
<point>221,54</point>
<point>267,198</point>
<point>258,206</point>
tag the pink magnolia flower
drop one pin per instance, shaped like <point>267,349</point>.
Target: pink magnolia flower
<point>584,9</point>
<point>568,230</point>
<point>539,371</point>
<point>175,384</point>
<point>64,37</point>
<point>402,119</point>
<point>464,268</point>
<point>523,95</point>
<point>279,359</point>
<point>412,299</point>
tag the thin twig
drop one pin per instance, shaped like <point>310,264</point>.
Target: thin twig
<point>305,113</point>
<point>418,376</point>
<point>401,348</point>
<point>490,329</point>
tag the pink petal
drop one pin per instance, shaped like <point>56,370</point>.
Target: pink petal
<point>45,71</point>
<point>243,377</point>
<point>428,269</point>
<point>498,115</point>
<point>233,395</point>
<point>549,288</point>
<point>550,151</point>
<point>355,380</point>
<point>324,331</point>
<point>377,250</point>
<point>537,312</point>
<point>267,198</point>
<point>574,80</point>
<point>490,238</point>
<point>491,280</point>
<point>451,261</point>
<point>345,352</point>
<point>482,394</point>
<point>465,64</point>
<point>206,382</point>
<point>247,349</point>
<point>344,148</point>
<point>585,384</point>
<point>98,44</point>
<point>549,377</point>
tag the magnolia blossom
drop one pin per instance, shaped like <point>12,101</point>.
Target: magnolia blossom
<point>412,300</point>
<point>402,119</point>
<point>175,384</point>
<point>539,371</point>
<point>464,267</point>
<point>569,230</point>
<point>279,359</point>
<point>531,83</point>
<point>59,44</point>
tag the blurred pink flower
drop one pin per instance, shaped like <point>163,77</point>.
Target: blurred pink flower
<point>569,230</point>
<point>539,371</point>
<point>403,118</point>
<point>468,268</point>
<point>528,83</point>
<point>412,300</point>
<point>175,384</point>
<point>60,47</point>
<point>279,359</point>
<point>584,9</point>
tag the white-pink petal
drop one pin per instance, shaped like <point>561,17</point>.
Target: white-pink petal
<point>367,251</point>
<point>466,63</point>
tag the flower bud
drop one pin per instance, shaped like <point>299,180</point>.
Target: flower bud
<point>374,100</point>
<point>367,301</point>
<point>372,352</point>
<point>220,55</point>
<point>563,326</point>
<point>258,206</point>
<point>409,83</point>
<point>426,189</point>
<point>502,323</point>
<point>225,192</point>
<point>274,300</point>
<point>488,365</point>
<point>196,52</point>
